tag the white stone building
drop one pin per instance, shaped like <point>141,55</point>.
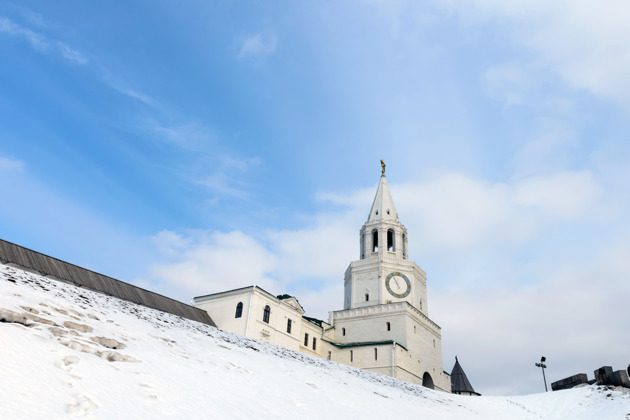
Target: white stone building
<point>384,326</point>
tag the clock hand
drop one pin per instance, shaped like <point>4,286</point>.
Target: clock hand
<point>396,281</point>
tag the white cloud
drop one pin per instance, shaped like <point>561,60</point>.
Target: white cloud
<point>258,45</point>
<point>208,262</point>
<point>11,165</point>
<point>446,215</point>
<point>40,42</point>
<point>571,316</point>
<point>584,42</point>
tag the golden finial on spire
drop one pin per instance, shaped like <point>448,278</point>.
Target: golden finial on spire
<point>382,167</point>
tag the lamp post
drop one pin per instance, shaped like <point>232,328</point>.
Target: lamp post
<point>542,365</point>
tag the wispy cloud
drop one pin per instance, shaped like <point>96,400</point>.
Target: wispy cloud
<point>11,165</point>
<point>41,42</point>
<point>584,42</point>
<point>258,45</point>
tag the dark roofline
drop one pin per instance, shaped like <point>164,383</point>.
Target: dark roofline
<point>365,343</point>
<point>57,269</point>
<point>315,321</point>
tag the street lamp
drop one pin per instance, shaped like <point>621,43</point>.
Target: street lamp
<point>542,365</point>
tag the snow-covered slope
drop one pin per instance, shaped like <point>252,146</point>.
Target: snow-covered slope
<point>66,351</point>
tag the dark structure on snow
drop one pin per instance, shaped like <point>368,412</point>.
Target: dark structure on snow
<point>459,381</point>
<point>61,270</point>
<point>603,376</point>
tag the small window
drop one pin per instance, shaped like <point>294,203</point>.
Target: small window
<point>315,343</point>
<point>351,356</point>
<point>343,331</point>
<point>239,310</point>
<point>266,314</point>
<point>367,297</point>
<point>329,355</point>
<point>389,326</point>
<point>289,326</point>
<point>375,353</point>
<point>414,329</point>
<point>433,343</point>
<point>306,340</point>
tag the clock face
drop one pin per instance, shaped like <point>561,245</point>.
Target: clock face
<point>398,285</point>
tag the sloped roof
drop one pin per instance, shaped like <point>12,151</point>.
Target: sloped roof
<point>459,381</point>
<point>383,206</point>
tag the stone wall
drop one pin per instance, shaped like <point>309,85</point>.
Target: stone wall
<point>51,267</point>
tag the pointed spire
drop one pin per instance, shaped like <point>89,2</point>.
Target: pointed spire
<point>383,206</point>
<point>459,380</point>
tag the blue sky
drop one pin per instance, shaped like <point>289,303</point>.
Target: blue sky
<point>192,147</point>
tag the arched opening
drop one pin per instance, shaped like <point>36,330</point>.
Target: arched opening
<point>427,381</point>
<point>367,297</point>
<point>266,314</point>
<point>389,326</point>
<point>343,331</point>
<point>239,310</point>
<point>374,240</point>
<point>390,240</point>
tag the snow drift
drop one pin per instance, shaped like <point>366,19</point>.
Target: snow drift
<point>67,351</point>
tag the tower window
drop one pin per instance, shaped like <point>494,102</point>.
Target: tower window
<point>239,310</point>
<point>367,297</point>
<point>266,314</point>
<point>305,339</point>
<point>329,355</point>
<point>343,331</point>
<point>375,353</point>
<point>390,240</point>
<point>374,240</point>
<point>314,343</point>
<point>289,326</point>
<point>351,356</point>
<point>389,326</point>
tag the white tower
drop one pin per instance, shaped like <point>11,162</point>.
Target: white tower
<point>384,326</point>
<point>383,274</point>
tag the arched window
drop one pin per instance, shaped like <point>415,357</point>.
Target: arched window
<point>390,240</point>
<point>239,310</point>
<point>289,326</point>
<point>367,297</point>
<point>374,240</point>
<point>343,331</point>
<point>389,326</point>
<point>266,314</point>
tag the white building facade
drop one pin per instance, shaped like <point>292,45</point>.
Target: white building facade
<point>384,326</point>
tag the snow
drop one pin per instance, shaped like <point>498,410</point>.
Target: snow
<point>67,351</point>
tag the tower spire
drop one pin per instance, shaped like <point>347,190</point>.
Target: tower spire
<point>383,206</point>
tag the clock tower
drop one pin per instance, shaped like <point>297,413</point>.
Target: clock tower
<point>384,274</point>
<point>385,325</point>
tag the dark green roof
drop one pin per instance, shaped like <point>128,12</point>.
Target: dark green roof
<point>459,381</point>
<point>315,321</point>
<point>283,297</point>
